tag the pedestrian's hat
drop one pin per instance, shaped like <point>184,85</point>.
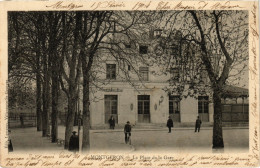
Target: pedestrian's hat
<point>74,132</point>
<point>127,122</point>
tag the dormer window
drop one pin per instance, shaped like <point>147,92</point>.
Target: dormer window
<point>111,71</point>
<point>157,32</point>
<point>143,49</point>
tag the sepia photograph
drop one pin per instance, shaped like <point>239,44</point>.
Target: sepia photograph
<point>134,81</point>
<point>129,84</point>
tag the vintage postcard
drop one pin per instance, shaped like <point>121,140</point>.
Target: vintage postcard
<point>129,83</point>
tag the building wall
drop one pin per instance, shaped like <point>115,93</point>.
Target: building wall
<point>128,97</point>
<point>128,105</point>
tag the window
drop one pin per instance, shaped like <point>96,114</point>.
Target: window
<point>127,45</point>
<point>175,75</point>
<point>111,71</point>
<point>143,49</point>
<point>111,104</point>
<point>129,68</point>
<point>174,104</point>
<point>203,104</point>
<point>111,107</point>
<point>143,104</point>
<point>144,73</point>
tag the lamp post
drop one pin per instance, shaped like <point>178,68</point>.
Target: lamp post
<point>79,114</point>
<point>79,121</point>
<point>161,100</point>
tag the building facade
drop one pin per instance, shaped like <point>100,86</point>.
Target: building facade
<point>150,104</point>
<point>144,99</point>
<point>138,93</point>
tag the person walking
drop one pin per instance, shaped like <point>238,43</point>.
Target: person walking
<point>74,142</point>
<point>169,124</point>
<point>127,131</point>
<point>112,122</point>
<point>197,125</point>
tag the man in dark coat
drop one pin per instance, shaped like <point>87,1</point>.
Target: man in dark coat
<point>21,120</point>
<point>197,125</point>
<point>10,145</point>
<point>112,122</point>
<point>74,142</point>
<point>169,124</point>
<point>127,130</point>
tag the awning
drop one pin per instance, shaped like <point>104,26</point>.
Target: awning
<point>235,92</point>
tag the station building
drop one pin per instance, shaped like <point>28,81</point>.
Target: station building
<point>146,101</point>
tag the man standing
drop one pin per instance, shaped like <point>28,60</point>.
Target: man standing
<point>112,122</point>
<point>74,142</point>
<point>21,120</point>
<point>127,130</point>
<point>10,145</point>
<point>169,124</point>
<point>197,125</point>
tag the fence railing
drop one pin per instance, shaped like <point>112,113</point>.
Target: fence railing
<point>235,112</point>
<point>30,119</point>
<point>22,120</point>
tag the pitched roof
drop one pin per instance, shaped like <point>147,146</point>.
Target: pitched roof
<point>234,91</point>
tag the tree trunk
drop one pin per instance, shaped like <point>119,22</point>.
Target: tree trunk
<point>217,127</point>
<point>38,97</point>
<point>54,114</point>
<point>73,78</point>
<point>70,120</point>
<point>86,113</point>
<point>53,43</point>
<point>45,112</point>
<point>45,101</point>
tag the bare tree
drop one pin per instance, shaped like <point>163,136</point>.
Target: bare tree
<point>95,27</point>
<point>55,36</point>
<point>35,52</point>
<point>212,41</point>
<point>70,66</point>
<point>24,56</point>
<point>100,33</point>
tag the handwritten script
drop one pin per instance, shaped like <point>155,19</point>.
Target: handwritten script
<point>64,5</point>
<point>67,159</point>
<point>147,5</point>
<point>254,79</point>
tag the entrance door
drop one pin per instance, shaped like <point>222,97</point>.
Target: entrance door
<point>203,105</point>
<point>111,107</point>
<point>144,108</point>
<point>174,108</point>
